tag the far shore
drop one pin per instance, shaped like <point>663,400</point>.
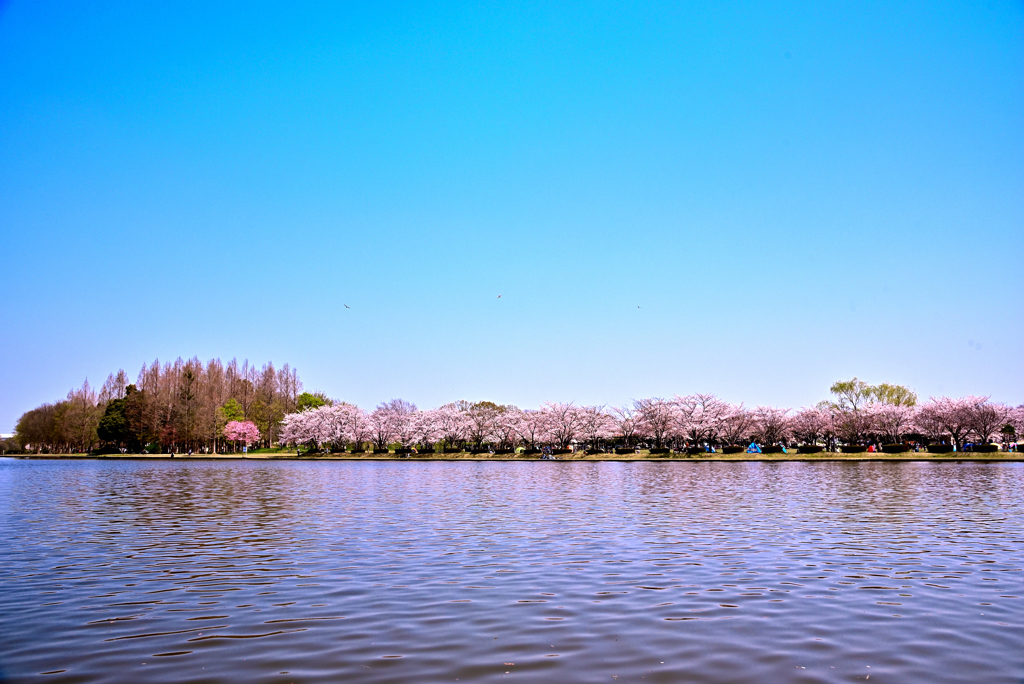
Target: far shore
<point>1002,456</point>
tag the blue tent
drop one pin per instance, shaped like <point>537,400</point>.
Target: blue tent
<point>753,449</point>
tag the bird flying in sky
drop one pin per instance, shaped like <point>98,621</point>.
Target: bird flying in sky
<point>347,306</point>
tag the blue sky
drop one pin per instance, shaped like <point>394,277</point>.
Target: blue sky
<point>751,199</point>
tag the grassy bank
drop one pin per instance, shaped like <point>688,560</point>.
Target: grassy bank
<point>274,454</point>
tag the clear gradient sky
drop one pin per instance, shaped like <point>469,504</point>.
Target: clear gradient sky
<point>752,199</point>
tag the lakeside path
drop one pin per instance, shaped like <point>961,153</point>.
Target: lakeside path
<point>999,456</point>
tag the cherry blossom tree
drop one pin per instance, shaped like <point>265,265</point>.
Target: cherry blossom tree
<point>328,426</point>
<point>334,425</point>
<point>453,424</point>
<point>596,425</point>
<point>346,424</point>
<point>627,423</point>
<point>507,427</point>
<point>244,431</point>
<point>359,428</point>
<point>862,412</point>
<point>562,423</point>
<point>425,429</point>
<point>986,419</point>
<point>301,428</point>
<point>392,421</point>
<point>809,425</point>
<point>770,425</point>
<point>853,425</point>
<point>700,417</point>
<point>892,421</point>
<point>657,419</point>
<point>383,426</point>
<point>292,429</point>
<point>480,421</point>
<point>531,427</point>
<point>948,416</point>
<point>737,424</point>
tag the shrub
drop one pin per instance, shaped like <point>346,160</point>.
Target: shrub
<point>771,450</point>
<point>451,450</point>
<point>811,449</point>
<point>504,451</point>
<point>621,451</point>
<point>853,448</point>
<point>895,448</point>
<point>940,448</point>
<point>530,452</point>
<point>985,448</point>
<point>733,450</point>
<point>560,451</point>
<point>380,451</point>
<point>658,450</point>
<point>403,450</point>
<point>693,451</point>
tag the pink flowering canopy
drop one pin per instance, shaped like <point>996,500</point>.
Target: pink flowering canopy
<point>680,421</point>
<point>242,431</point>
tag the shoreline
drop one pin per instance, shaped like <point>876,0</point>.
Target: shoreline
<point>825,456</point>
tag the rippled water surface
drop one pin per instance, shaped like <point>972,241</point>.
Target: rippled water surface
<point>289,571</point>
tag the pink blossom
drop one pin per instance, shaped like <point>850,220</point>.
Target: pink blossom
<point>242,431</point>
<point>532,427</point>
<point>561,423</point>
<point>892,421</point>
<point>944,416</point>
<point>736,425</point>
<point>809,425</point>
<point>452,423</point>
<point>627,422</point>
<point>770,424</point>
<point>658,419</point>
<point>700,416</point>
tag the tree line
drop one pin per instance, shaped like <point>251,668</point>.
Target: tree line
<point>177,406</point>
<point>858,414</point>
<point>213,407</point>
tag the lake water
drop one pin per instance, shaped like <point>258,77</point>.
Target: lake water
<point>263,571</point>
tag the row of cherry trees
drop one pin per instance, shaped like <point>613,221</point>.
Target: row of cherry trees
<point>697,419</point>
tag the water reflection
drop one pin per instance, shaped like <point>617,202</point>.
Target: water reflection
<point>389,571</point>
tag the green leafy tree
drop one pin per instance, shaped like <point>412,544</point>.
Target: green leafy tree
<point>138,411</point>
<point>1008,433</point>
<point>309,400</point>
<point>851,395</point>
<point>232,410</point>
<point>39,429</point>
<point>895,395</point>
<point>267,416</point>
<point>114,428</point>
